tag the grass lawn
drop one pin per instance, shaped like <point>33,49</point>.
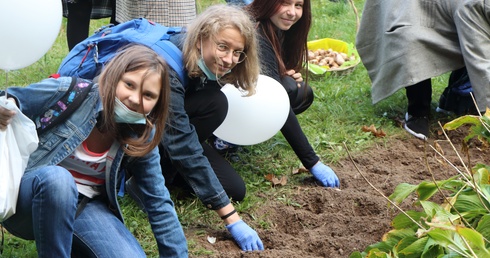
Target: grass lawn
<point>342,106</point>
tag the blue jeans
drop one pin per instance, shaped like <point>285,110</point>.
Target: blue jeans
<point>46,209</point>
<point>99,233</point>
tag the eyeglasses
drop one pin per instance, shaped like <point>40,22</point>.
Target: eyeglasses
<point>223,50</point>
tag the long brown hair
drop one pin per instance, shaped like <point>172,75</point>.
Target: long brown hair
<point>135,138</point>
<point>289,46</point>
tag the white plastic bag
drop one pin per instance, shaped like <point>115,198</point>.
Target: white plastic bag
<point>17,142</point>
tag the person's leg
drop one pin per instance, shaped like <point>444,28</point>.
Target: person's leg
<point>113,16</point>
<point>207,109</point>
<point>46,208</point>
<point>99,233</point>
<point>471,20</point>
<point>229,178</point>
<point>304,99</point>
<point>300,98</point>
<point>298,141</point>
<point>419,97</point>
<point>78,22</point>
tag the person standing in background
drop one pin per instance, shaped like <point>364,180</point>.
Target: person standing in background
<point>404,44</point>
<point>79,13</point>
<point>171,13</point>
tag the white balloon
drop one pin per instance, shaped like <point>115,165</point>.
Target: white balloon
<point>28,29</point>
<point>257,118</point>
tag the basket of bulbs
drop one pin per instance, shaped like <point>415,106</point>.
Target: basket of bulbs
<point>331,55</point>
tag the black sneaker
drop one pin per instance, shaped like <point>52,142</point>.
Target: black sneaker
<point>417,126</point>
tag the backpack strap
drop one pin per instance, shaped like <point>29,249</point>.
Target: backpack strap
<point>64,107</point>
<point>171,53</point>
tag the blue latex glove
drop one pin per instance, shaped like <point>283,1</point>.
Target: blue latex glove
<point>325,175</point>
<point>245,236</point>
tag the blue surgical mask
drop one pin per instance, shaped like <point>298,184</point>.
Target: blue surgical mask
<point>123,114</point>
<point>205,69</point>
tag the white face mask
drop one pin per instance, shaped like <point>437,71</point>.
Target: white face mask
<point>123,114</point>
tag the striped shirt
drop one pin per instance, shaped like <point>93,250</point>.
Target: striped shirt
<point>88,169</point>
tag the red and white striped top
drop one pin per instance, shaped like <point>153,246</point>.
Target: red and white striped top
<point>88,169</point>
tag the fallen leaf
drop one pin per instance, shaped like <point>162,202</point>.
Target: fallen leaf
<point>276,181</point>
<point>438,147</point>
<point>372,129</point>
<point>300,170</point>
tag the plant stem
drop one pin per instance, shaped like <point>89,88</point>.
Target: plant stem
<point>377,190</point>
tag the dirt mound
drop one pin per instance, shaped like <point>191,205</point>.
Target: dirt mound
<point>319,222</point>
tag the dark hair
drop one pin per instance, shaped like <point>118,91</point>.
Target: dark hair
<point>135,138</point>
<point>295,38</point>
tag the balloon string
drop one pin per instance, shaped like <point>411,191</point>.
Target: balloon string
<point>6,82</point>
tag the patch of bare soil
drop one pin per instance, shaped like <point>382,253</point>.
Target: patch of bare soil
<point>334,223</point>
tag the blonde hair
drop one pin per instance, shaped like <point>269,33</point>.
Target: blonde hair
<point>210,23</point>
<point>134,57</point>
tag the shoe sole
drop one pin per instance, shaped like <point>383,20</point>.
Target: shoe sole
<point>418,135</point>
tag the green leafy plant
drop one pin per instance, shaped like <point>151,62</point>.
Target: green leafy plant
<point>479,126</point>
<point>459,227</point>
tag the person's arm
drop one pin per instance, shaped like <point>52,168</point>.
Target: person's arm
<point>147,175</point>
<point>244,235</point>
<point>182,146</point>
<point>37,97</point>
<point>268,61</point>
<point>291,81</point>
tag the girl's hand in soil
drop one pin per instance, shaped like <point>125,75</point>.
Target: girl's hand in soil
<point>296,76</point>
<point>245,236</point>
<point>325,175</point>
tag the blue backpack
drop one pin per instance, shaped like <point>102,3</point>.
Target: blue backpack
<point>88,57</point>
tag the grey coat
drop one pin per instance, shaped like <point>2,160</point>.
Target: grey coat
<point>403,42</point>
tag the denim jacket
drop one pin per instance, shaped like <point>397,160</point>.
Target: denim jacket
<point>60,141</point>
<point>181,145</point>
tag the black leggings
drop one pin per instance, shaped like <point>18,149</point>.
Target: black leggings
<point>300,99</point>
<point>419,97</point>
<point>78,21</point>
<point>207,109</point>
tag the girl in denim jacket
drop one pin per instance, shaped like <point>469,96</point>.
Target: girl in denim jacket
<point>67,200</point>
